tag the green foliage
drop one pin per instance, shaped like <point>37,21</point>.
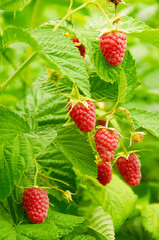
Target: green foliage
<point>18,147</point>
<point>52,47</point>
<point>56,226</point>
<point>150,218</point>
<point>77,150</point>
<point>13,4</point>
<point>102,223</point>
<point>109,197</point>
<point>146,120</point>
<point>37,144</point>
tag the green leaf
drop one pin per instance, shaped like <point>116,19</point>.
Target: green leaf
<point>76,148</point>
<point>18,147</point>
<point>123,89</point>
<point>47,85</point>
<point>55,226</point>
<point>45,108</point>
<point>108,198</point>
<point>102,90</point>
<point>119,192</point>
<point>133,25</point>
<point>128,24</point>
<point>66,223</point>
<point>59,52</point>
<point>146,120</point>
<point>6,229</point>
<point>128,68</point>
<point>53,163</point>
<point>150,219</point>
<point>82,237</point>
<point>133,230</point>
<point>101,222</point>
<point>13,5</point>
<point>148,36</point>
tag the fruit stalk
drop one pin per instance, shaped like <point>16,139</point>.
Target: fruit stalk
<point>18,71</point>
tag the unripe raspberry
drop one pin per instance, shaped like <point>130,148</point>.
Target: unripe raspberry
<point>113,47</point>
<point>81,47</point>
<point>36,203</point>
<point>106,142</point>
<point>104,172</point>
<point>83,117</point>
<point>130,169</point>
<point>137,137</point>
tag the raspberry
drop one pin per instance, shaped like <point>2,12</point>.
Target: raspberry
<point>36,203</point>
<point>106,142</point>
<point>101,122</point>
<point>104,172</point>
<point>81,47</point>
<point>83,117</point>
<point>113,47</point>
<point>130,169</point>
<point>137,137</point>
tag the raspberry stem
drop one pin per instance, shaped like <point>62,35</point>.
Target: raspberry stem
<point>71,12</point>
<point>17,72</point>
<point>123,147</point>
<point>103,11</point>
<point>51,185</point>
<point>36,174</point>
<point>54,179</point>
<point>91,141</point>
<point>107,122</point>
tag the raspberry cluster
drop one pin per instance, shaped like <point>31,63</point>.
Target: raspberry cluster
<point>106,141</point>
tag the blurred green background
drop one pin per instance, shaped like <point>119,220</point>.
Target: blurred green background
<point>146,56</point>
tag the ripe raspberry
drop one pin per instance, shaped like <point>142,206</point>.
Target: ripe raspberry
<point>36,203</point>
<point>104,172</point>
<point>106,142</point>
<point>130,169</point>
<point>113,47</point>
<point>81,47</point>
<point>83,117</point>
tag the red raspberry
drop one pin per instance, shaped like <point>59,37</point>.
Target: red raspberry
<point>83,117</point>
<point>36,204</point>
<point>81,47</point>
<point>106,142</point>
<point>130,169</point>
<point>113,47</point>
<point>104,172</point>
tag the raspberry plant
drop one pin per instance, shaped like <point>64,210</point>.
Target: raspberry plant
<point>79,130</point>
